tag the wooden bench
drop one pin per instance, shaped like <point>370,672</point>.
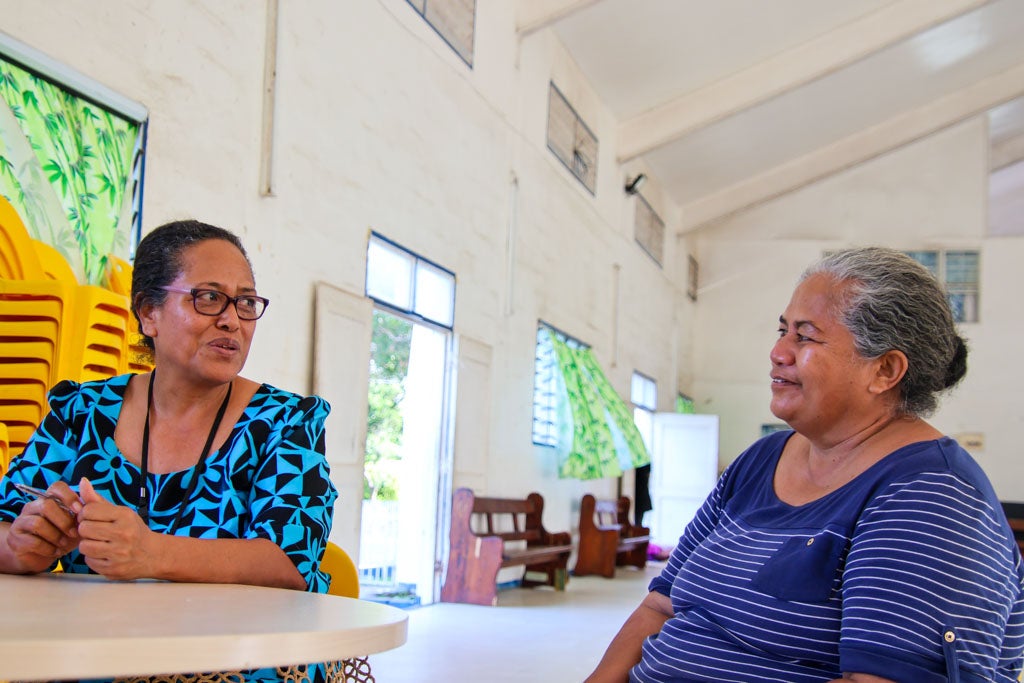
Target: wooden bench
<point>608,539</point>
<point>478,553</point>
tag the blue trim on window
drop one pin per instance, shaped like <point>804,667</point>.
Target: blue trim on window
<point>543,430</point>
<point>409,312</point>
<point>468,62</point>
<point>581,122</point>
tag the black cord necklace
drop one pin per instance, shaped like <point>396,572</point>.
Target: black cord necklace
<point>143,505</point>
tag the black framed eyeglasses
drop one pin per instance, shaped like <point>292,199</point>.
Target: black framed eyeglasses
<point>213,302</point>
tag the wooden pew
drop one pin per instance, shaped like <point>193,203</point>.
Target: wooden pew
<point>608,539</point>
<point>487,534</point>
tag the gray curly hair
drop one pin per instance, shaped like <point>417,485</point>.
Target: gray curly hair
<point>894,303</point>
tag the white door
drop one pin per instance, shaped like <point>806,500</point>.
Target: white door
<point>684,469</point>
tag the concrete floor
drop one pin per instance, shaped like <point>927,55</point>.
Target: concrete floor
<point>534,634</point>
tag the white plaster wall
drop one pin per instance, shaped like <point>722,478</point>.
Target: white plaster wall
<point>380,126</point>
<point>932,194</point>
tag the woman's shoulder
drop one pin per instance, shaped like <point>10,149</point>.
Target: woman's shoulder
<point>71,396</point>
<point>941,456</point>
<point>269,401</point>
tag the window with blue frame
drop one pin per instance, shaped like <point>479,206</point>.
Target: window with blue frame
<point>453,20</point>
<point>643,394</point>
<point>545,384</point>
<point>959,271</point>
<point>409,283</point>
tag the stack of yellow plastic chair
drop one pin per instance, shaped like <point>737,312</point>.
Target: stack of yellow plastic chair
<point>52,328</point>
<point>101,327</point>
<point>99,323</point>
<point>33,317</point>
<point>119,280</point>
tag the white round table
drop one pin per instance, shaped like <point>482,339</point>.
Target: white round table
<point>76,626</point>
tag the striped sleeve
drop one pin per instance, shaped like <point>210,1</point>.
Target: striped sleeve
<point>929,583</point>
<point>703,523</point>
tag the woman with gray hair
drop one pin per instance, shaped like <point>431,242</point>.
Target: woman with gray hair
<point>860,545</point>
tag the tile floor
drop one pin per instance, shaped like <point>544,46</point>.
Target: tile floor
<point>533,635</point>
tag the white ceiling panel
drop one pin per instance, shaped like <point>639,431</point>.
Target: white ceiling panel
<point>686,80</point>
<point>867,93</point>
<point>640,53</point>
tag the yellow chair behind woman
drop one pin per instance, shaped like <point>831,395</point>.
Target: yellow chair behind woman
<point>344,582</point>
<point>343,572</point>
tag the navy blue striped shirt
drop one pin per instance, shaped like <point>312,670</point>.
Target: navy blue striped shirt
<point>904,572</point>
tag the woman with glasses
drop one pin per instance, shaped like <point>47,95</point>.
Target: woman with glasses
<point>190,472</point>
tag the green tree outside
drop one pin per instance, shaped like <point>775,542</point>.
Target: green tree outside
<point>389,366</point>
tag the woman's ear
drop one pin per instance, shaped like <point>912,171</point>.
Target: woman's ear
<point>890,368</point>
<point>147,316</point>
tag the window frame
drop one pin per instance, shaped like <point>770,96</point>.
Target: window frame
<point>655,223</point>
<point>410,310</point>
<point>971,290</point>
<point>423,12</point>
<point>545,384</point>
<point>643,409</point>
<point>578,123</point>
<point>77,83</point>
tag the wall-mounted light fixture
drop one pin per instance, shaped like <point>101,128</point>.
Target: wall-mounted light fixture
<point>633,186</point>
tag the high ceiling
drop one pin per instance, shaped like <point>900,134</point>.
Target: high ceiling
<point>727,103</point>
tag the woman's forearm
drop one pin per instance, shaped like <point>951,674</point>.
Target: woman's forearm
<point>258,562</point>
<point>625,649</point>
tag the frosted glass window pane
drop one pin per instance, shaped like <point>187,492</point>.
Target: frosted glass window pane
<point>389,274</point>
<point>636,389</point>
<point>928,259</point>
<point>644,421</point>
<point>643,392</point>
<point>435,294</point>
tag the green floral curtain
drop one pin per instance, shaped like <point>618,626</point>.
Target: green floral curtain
<point>66,167</point>
<point>604,441</point>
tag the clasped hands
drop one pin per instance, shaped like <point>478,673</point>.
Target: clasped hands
<point>112,538</point>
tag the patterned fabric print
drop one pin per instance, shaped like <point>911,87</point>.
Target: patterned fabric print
<point>269,480</point>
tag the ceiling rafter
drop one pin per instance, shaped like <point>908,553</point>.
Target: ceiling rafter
<point>534,15</point>
<point>896,132</point>
<point>784,72</point>
<point>1006,152</point>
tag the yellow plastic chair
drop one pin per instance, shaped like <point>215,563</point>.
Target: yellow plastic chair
<point>138,358</point>
<point>100,328</point>
<point>18,260</point>
<point>119,275</point>
<point>344,582</point>
<point>53,263</point>
<point>5,452</point>
<point>344,575</point>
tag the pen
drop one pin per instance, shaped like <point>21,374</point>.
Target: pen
<point>40,493</point>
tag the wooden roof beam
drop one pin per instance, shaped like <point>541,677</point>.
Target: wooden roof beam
<point>783,72</point>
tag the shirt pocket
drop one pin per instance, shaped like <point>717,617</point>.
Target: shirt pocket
<point>804,569</point>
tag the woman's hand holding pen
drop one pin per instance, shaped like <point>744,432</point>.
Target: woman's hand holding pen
<point>113,537</point>
<point>46,529</point>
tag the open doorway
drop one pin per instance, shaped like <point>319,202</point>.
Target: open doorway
<point>405,452</point>
<point>406,493</point>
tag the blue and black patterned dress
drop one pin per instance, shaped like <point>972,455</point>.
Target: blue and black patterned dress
<point>269,480</point>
